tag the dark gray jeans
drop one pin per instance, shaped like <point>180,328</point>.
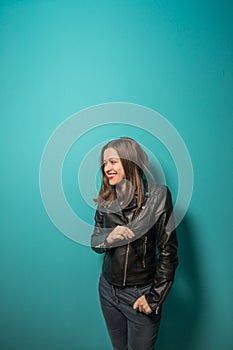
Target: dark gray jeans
<point>129,329</point>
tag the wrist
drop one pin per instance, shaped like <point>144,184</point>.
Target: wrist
<point>106,242</point>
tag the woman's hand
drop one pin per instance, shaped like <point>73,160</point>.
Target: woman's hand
<point>119,233</point>
<point>142,306</point>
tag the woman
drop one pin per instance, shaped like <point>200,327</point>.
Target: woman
<point>133,220</point>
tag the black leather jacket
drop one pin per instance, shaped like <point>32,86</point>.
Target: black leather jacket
<point>151,256</point>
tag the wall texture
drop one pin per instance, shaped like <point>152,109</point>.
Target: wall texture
<point>58,57</point>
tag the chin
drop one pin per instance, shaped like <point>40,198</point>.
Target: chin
<point>113,182</point>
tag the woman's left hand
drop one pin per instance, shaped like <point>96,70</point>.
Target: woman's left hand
<point>142,306</point>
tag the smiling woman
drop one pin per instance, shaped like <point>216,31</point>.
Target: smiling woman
<point>134,281</point>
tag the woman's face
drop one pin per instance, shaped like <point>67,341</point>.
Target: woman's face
<point>113,167</point>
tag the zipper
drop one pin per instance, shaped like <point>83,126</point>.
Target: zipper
<point>127,250</point>
<point>144,254</point>
<point>126,263</point>
<point>163,297</point>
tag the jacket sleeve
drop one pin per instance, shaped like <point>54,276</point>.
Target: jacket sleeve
<point>150,212</point>
<point>98,238</point>
<point>167,246</point>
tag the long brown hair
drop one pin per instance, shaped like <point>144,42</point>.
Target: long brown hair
<point>135,163</point>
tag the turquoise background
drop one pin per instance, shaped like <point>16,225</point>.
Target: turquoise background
<point>58,57</point>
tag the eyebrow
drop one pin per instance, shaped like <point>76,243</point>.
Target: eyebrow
<point>111,158</point>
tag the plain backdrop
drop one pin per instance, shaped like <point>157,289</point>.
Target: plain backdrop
<point>59,57</point>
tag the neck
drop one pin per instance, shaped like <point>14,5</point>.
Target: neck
<point>121,187</point>
<point>124,192</point>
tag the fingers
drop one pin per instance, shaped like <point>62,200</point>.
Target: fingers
<point>124,232</point>
<point>142,306</point>
<point>135,305</point>
<point>147,310</point>
<point>119,233</point>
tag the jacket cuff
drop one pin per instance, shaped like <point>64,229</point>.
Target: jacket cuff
<point>157,295</point>
<point>104,244</point>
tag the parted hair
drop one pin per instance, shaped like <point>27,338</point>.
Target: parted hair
<point>135,163</point>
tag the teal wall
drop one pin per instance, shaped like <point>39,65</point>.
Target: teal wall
<point>58,57</point>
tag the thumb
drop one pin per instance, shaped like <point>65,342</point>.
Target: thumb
<point>135,305</point>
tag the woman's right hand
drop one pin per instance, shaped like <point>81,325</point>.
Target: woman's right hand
<point>119,233</point>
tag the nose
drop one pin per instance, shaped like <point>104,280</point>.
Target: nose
<point>107,166</point>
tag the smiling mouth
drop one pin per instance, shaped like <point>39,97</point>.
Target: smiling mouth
<point>111,175</point>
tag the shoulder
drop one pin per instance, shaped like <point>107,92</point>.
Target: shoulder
<point>159,194</point>
<point>158,189</point>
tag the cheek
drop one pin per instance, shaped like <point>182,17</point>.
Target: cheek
<point>122,172</point>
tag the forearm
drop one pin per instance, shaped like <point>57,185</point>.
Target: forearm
<point>98,239</point>
<point>146,219</point>
<point>164,273</point>
<point>168,259</point>
<point>99,242</point>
